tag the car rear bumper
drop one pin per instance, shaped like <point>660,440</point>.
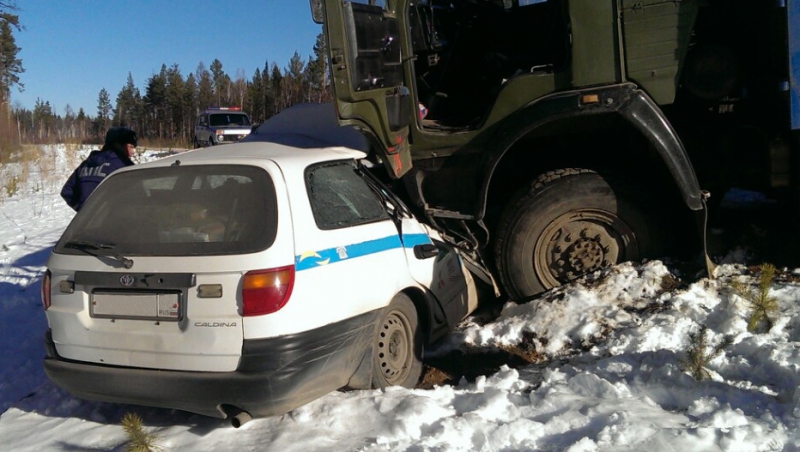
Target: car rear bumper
<point>274,376</point>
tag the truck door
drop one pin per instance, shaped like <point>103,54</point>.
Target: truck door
<point>367,73</point>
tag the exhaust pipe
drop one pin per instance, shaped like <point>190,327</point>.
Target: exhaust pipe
<point>238,416</point>
<point>240,419</point>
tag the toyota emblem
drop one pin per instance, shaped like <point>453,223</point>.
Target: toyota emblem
<point>127,280</point>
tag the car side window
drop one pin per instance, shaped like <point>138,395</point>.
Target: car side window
<point>340,197</point>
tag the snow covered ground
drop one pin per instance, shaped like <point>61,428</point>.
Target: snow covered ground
<point>609,374</point>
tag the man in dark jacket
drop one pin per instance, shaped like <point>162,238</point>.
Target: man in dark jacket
<point>115,154</point>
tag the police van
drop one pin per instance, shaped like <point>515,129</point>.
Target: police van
<point>220,125</point>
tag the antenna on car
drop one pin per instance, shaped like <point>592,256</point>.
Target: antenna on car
<point>177,163</point>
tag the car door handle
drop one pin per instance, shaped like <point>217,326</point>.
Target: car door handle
<point>425,251</point>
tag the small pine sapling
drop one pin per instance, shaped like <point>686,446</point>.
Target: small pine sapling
<point>762,305</point>
<point>139,440</point>
<point>698,356</point>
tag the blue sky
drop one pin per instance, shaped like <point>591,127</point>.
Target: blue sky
<point>71,49</point>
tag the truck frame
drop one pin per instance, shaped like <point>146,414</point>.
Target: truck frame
<point>551,138</point>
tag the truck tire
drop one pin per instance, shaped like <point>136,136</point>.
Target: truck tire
<point>568,223</point>
<point>397,347</point>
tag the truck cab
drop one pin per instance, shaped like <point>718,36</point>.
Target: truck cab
<point>545,135</point>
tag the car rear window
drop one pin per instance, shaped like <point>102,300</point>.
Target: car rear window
<point>179,211</point>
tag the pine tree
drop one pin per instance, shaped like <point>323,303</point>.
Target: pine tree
<point>222,84</point>
<point>317,72</point>
<point>155,100</point>
<point>700,353</point>
<point>104,105</point>
<point>277,91</point>
<point>190,99</point>
<point>295,84</point>
<point>176,108</point>
<point>10,65</point>
<point>10,68</point>
<point>255,104</point>
<point>269,95</point>
<point>128,110</point>
<point>43,120</point>
<point>104,109</point>
<point>763,307</point>
<point>205,87</point>
<point>139,439</point>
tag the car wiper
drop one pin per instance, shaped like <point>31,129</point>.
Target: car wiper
<point>98,249</point>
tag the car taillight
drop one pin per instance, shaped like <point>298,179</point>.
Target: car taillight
<point>266,291</point>
<point>46,290</point>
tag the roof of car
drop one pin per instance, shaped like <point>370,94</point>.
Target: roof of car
<point>284,156</point>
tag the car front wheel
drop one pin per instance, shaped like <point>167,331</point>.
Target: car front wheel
<point>397,346</point>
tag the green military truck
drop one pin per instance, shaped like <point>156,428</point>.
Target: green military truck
<point>554,137</point>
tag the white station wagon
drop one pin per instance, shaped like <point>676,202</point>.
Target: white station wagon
<point>246,281</point>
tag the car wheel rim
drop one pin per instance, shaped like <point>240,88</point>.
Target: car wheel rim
<point>580,242</point>
<point>394,354</point>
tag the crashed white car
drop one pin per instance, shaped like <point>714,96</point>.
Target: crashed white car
<point>246,281</point>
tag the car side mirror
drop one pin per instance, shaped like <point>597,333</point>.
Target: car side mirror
<point>426,251</point>
<point>316,11</point>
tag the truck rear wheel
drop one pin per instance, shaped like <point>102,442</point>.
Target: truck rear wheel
<point>568,223</point>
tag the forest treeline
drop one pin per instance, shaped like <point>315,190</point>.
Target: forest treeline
<point>164,109</point>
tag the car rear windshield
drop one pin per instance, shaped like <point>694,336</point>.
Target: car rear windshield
<point>179,211</point>
<point>229,119</point>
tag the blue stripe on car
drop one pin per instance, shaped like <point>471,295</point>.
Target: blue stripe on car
<point>329,256</point>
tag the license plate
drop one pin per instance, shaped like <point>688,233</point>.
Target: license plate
<point>141,305</point>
